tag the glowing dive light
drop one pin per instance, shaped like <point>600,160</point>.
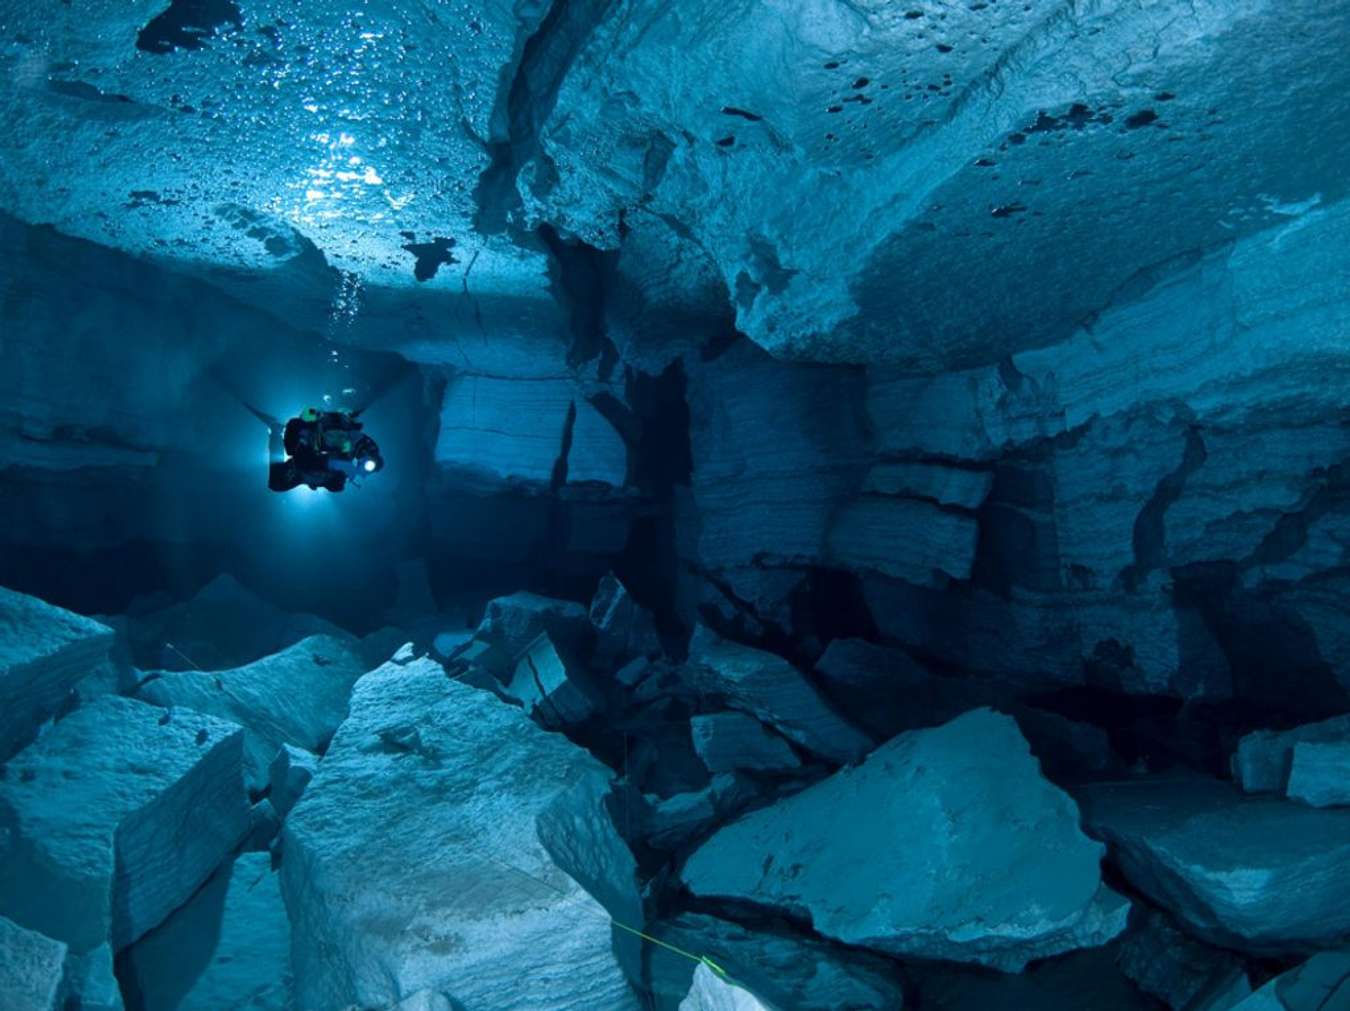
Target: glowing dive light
<point>370,466</point>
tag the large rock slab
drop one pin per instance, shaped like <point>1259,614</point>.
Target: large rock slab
<point>960,851</point>
<point>1255,873</point>
<point>113,818</point>
<point>730,741</point>
<point>44,652</point>
<point>414,862</point>
<point>227,948</point>
<point>784,971</point>
<point>299,696</point>
<point>554,690</point>
<point>1320,773</point>
<point>31,969</point>
<point>1264,758</point>
<point>773,691</point>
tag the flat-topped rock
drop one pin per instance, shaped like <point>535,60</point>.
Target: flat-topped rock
<point>414,860</point>
<point>115,817</point>
<point>44,652</point>
<point>1264,758</point>
<point>958,849</point>
<point>298,696</point>
<point>1259,874</point>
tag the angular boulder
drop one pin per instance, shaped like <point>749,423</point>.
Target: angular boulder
<point>956,848</point>
<point>553,690</point>
<point>1264,758</point>
<point>773,691</point>
<point>297,696</point>
<point>511,623</point>
<point>711,991</point>
<point>1259,874</point>
<point>784,971</point>
<point>44,652</point>
<point>1167,964</point>
<point>31,969</point>
<point>624,628</point>
<point>115,817</point>
<point>288,775</point>
<point>730,741</point>
<point>1320,773</point>
<point>228,947</point>
<point>413,861</point>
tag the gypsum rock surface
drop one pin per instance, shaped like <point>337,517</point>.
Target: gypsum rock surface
<point>730,741</point>
<point>227,948</point>
<point>1320,984</point>
<point>462,898</point>
<point>961,852</point>
<point>711,992</point>
<point>770,689</point>
<point>555,692</point>
<point>288,775</point>
<point>1258,874</point>
<point>31,969</point>
<point>114,817</point>
<point>1264,759</point>
<point>784,971</point>
<point>298,696</point>
<point>1181,972</point>
<point>44,652</point>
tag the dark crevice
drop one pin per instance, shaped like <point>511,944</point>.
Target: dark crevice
<point>1149,537</point>
<point>582,276</point>
<point>544,62</point>
<point>187,24</point>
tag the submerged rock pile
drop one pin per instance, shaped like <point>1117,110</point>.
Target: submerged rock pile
<point>561,811</point>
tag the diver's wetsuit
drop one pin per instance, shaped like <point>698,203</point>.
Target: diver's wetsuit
<point>324,449</point>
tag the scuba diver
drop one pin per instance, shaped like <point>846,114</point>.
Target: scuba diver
<point>316,448</point>
<point>320,449</point>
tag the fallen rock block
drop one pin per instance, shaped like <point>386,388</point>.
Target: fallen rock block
<point>113,818</point>
<point>44,652</point>
<point>774,692</point>
<point>989,863</point>
<point>299,696</point>
<point>31,969</point>
<point>1264,758</point>
<point>730,741</point>
<point>786,972</point>
<point>553,691</point>
<point>624,629</point>
<point>513,623</point>
<point>1319,773</point>
<point>413,860</point>
<point>288,775</point>
<point>1320,984</point>
<point>1167,964</point>
<point>1258,874</point>
<point>89,983</point>
<point>710,991</point>
<point>228,947</point>
<point>671,823</point>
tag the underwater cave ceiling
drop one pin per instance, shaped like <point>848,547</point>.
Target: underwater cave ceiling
<point>870,182</point>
